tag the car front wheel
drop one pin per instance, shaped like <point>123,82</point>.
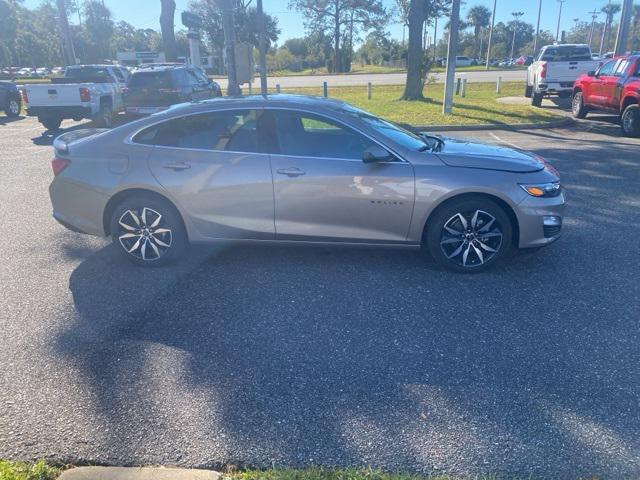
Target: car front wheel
<point>469,234</point>
<point>148,231</point>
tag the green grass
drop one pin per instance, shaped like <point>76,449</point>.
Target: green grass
<point>478,107</point>
<point>24,471</point>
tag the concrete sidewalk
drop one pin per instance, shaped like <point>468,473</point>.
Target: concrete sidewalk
<point>142,473</point>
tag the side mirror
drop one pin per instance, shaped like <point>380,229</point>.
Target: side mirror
<point>591,73</point>
<point>375,154</point>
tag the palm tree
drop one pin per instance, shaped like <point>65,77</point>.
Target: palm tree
<point>609,10</point>
<point>479,17</point>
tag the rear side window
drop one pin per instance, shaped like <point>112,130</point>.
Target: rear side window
<point>565,53</point>
<point>620,68</point>
<point>150,80</point>
<point>232,130</point>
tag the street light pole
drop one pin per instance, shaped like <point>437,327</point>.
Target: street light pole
<point>594,15</point>
<point>228,27</point>
<point>535,39</point>
<point>262,49</point>
<point>493,20</point>
<point>452,50</point>
<point>559,17</point>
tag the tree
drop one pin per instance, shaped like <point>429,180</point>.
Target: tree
<point>98,27</point>
<point>609,10</point>
<point>343,18</point>
<point>420,11</point>
<point>634,41</point>
<point>8,31</point>
<point>479,17</point>
<point>167,14</point>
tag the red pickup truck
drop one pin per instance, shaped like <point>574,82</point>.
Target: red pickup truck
<point>613,88</point>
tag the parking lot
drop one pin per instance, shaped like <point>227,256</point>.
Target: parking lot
<point>257,355</point>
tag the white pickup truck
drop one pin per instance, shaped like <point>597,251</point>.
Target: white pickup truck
<point>85,91</point>
<point>555,69</point>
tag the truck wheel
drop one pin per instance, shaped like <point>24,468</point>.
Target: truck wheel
<point>536,99</point>
<point>51,123</point>
<point>528,90</point>
<point>105,116</point>
<point>577,106</point>
<point>12,109</point>
<point>630,121</point>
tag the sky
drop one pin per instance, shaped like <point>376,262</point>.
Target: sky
<point>145,13</point>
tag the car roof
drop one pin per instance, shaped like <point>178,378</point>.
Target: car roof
<point>158,67</point>
<point>274,100</point>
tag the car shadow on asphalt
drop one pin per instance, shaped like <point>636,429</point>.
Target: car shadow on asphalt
<point>343,356</point>
<point>4,120</point>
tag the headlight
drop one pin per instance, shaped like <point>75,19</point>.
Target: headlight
<point>542,189</point>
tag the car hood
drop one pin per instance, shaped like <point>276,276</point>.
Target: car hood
<point>463,153</point>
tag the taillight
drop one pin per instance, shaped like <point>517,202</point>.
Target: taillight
<point>543,70</point>
<point>25,97</point>
<point>58,165</point>
<point>85,94</point>
<point>125,90</point>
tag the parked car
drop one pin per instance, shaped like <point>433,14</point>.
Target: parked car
<point>555,70</point>
<point>613,88</point>
<point>291,168</point>
<point>524,60</point>
<point>85,91</point>
<point>155,88</point>
<point>10,99</point>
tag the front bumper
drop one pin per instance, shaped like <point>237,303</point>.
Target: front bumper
<point>540,220</point>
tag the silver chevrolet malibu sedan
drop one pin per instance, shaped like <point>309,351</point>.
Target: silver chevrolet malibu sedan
<point>289,168</point>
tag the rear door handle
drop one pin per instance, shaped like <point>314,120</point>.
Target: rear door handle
<point>177,166</point>
<point>291,172</point>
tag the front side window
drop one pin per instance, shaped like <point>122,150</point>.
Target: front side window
<point>307,135</point>
<point>233,130</point>
<point>607,68</point>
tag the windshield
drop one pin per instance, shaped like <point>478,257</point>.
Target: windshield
<point>394,132</point>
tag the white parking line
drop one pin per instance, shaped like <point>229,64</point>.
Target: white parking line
<point>504,141</point>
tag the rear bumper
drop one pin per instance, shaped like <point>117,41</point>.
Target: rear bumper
<point>555,88</point>
<point>540,220</point>
<point>62,112</point>
<point>77,207</point>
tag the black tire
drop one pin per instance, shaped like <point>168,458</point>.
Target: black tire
<point>157,244</point>
<point>578,109</point>
<point>105,116</point>
<point>630,121</point>
<point>536,99</point>
<point>449,250</point>
<point>51,123</point>
<point>528,90</point>
<point>13,106</point>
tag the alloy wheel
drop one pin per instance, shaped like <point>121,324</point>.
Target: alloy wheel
<point>577,103</point>
<point>628,122</point>
<point>471,239</point>
<point>143,235</point>
<point>14,107</point>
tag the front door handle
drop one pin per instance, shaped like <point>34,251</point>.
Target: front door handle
<point>291,172</point>
<point>176,166</point>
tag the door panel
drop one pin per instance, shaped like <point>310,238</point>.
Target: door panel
<point>227,193</point>
<point>328,198</point>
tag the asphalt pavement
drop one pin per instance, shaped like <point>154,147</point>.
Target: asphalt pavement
<point>297,356</point>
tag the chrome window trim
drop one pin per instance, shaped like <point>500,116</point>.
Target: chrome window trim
<point>129,139</point>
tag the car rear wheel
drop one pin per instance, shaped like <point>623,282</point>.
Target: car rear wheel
<point>630,121</point>
<point>13,107</point>
<point>578,108</point>
<point>528,90</point>
<point>536,99</point>
<point>469,234</point>
<point>148,231</point>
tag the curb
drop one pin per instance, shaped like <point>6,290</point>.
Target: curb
<point>143,473</point>
<point>491,126</point>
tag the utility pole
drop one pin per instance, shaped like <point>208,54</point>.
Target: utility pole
<point>594,15</point>
<point>435,44</point>
<point>493,20</point>
<point>516,16</point>
<point>623,27</point>
<point>559,17</point>
<point>262,49</point>
<point>535,39</point>
<point>69,52</point>
<point>227,7</point>
<point>452,51</point>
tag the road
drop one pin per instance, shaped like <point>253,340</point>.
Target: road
<point>377,79</point>
<point>333,356</point>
